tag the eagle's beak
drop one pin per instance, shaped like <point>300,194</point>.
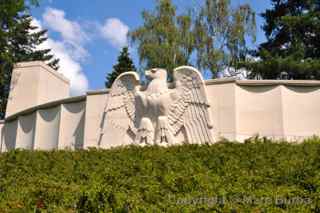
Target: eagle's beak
<point>148,73</point>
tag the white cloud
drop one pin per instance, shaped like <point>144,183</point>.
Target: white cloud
<point>70,47</point>
<point>71,32</point>
<point>115,32</point>
<point>69,66</point>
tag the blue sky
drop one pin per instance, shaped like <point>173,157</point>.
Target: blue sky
<point>87,35</point>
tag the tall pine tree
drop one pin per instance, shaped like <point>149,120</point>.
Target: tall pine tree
<point>292,29</point>
<point>18,42</point>
<point>124,64</point>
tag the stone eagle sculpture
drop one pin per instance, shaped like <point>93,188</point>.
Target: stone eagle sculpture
<point>157,114</point>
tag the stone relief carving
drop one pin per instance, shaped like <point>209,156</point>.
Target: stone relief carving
<point>156,114</point>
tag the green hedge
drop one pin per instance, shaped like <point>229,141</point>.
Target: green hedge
<point>257,176</point>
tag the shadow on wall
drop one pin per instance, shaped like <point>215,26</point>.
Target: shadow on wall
<point>302,89</point>
<point>26,131</point>
<point>2,137</point>
<point>47,129</point>
<point>78,133</point>
<point>10,135</point>
<point>43,129</point>
<point>49,115</point>
<point>262,89</point>
<point>101,126</point>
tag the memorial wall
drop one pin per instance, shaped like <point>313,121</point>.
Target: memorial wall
<point>48,119</point>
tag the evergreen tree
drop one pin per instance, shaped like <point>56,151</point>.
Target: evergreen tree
<point>18,42</point>
<point>124,64</point>
<point>292,28</point>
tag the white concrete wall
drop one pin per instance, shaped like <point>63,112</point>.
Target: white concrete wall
<point>21,86</point>
<point>276,109</point>
<point>94,117</point>
<point>300,108</point>
<point>239,109</point>
<point>10,135</point>
<point>47,128</point>
<point>26,131</point>
<point>53,86</point>
<point>72,126</point>
<point>222,100</point>
<point>42,128</point>
<point>1,133</point>
<point>259,111</point>
<point>35,83</point>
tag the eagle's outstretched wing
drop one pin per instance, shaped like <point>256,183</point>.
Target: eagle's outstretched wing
<point>120,114</point>
<point>190,111</point>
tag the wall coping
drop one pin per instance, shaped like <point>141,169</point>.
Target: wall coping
<point>44,66</point>
<point>56,103</point>
<point>46,105</point>
<point>220,81</point>
<point>307,83</point>
<point>300,83</point>
<point>98,92</point>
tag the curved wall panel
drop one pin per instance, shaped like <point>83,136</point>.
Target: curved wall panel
<point>239,109</point>
<point>25,131</point>
<point>300,112</point>
<point>10,135</point>
<point>222,100</point>
<point>1,134</point>
<point>259,111</point>
<point>47,129</point>
<point>94,117</point>
<point>72,126</point>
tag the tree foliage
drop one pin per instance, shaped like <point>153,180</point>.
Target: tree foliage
<point>272,67</point>
<point>216,33</point>
<point>166,39</point>
<point>124,64</point>
<point>222,34</point>
<point>292,29</point>
<point>18,42</point>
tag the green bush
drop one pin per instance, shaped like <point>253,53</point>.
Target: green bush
<point>256,176</point>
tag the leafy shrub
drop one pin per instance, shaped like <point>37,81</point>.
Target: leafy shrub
<point>256,176</point>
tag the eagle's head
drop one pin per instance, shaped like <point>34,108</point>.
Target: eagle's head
<point>156,73</point>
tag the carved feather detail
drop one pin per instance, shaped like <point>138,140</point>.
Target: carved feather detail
<point>120,112</point>
<point>157,114</point>
<point>191,110</point>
